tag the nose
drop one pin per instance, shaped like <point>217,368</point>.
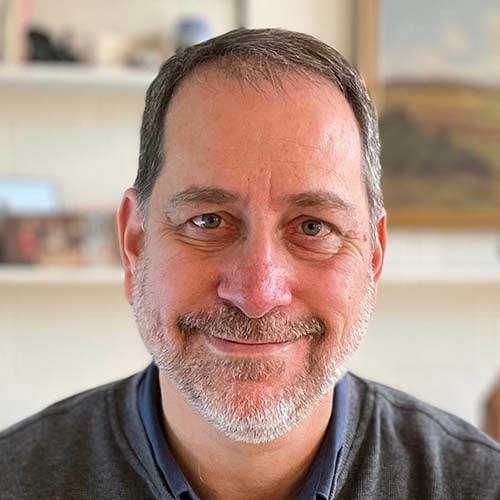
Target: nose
<point>256,280</point>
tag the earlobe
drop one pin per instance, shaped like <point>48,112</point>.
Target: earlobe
<point>131,237</point>
<point>378,254</point>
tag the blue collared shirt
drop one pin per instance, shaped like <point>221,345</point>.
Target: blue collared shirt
<point>319,481</point>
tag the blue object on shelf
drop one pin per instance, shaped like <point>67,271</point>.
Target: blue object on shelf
<point>19,196</point>
<point>191,30</point>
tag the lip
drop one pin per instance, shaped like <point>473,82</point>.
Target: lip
<point>246,348</point>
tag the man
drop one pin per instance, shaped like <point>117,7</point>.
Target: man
<point>253,243</point>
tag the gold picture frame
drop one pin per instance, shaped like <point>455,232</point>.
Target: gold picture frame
<point>449,125</point>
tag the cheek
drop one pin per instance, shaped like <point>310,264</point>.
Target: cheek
<point>181,282</point>
<point>337,291</point>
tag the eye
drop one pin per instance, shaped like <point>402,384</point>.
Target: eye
<point>311,227</point>
<point>207,221</point>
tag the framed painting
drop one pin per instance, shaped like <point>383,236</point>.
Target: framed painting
<point>433,70</point>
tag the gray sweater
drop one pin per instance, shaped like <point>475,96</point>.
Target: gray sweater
<point>93,446</point>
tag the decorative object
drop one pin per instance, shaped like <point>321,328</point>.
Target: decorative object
<point>191,30</point>
<point>62,240</point>
<point>42,48</point>
<point>28,196</point>
<point>433,69</point>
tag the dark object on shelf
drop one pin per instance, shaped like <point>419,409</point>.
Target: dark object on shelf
<point>42,48</point>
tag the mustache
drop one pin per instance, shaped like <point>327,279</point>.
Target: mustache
<point>230,323</point>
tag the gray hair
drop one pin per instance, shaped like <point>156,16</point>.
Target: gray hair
<point>253,55</point>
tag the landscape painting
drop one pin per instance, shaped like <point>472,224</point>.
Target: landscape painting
<point>438,95</point>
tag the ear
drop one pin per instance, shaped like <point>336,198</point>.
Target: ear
<point>131,235</point>
<point>378,254</point>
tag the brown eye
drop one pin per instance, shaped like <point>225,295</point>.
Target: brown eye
<point>208,221</point>
<point>311,227</point>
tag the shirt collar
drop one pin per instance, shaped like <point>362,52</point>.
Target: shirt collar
<point>321,477</point>
<point>150,409</point>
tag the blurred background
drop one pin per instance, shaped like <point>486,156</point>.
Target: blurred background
<point>73,76</point>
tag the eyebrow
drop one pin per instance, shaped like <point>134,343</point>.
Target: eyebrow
<point>198,195</point>
<point>320,199</point>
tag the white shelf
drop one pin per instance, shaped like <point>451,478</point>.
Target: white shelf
<point>75,76</point>
<point>29,276</point>
<point>113,275</point>
<point>433,275</point>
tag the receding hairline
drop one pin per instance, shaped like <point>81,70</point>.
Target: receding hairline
<point>281,87</point>
<point>211,75</point>
<point>272,79</point>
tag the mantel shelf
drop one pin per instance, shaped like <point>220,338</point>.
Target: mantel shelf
<point>442,275</point>
<point>60,275</point>
<point>113,275</point>
<point>58,76</point>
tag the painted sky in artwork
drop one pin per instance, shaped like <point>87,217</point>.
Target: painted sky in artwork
<point>440,39</point>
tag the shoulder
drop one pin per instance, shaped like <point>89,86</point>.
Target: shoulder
<point>416,448</point>
<point>89,407</point>
<point>402,412</point>
<point>68,442</point>
<point>94,398</point>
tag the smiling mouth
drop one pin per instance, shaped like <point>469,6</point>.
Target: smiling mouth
<point>246,348</point>
<point>248,342</point>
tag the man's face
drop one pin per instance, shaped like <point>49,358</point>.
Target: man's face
<point>256,276</point>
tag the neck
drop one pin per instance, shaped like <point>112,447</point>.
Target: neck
<point>218,467</point>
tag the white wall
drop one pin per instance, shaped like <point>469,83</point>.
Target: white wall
<point>85,141</point>
<point>439,339</point>
<point>329,20</point>
<point>56,340</point>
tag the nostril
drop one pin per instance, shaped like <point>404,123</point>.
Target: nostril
<point>254,294</point>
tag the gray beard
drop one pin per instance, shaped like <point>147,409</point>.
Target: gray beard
<point>230,392</point>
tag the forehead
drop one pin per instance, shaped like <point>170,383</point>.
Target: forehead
<point>298,136</point>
